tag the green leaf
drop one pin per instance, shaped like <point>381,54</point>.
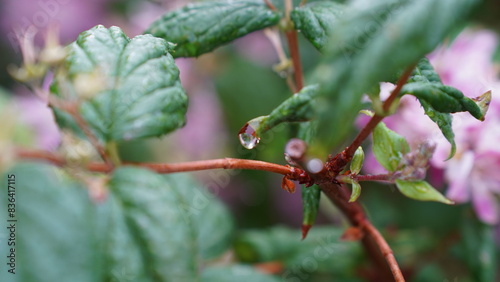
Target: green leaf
<point>389,147</point>
<point>426,85</point>
<point>137,88</point>
<point>149,227</point>
<point>421,190</point>
<point>356,191</point>
<point>212,221</point>
<point>55,227</point>
<point>310,206</point>
<point>316,20</point>
<point>165,223</point>
<point>201,27</point>
<point>283,244</point>
<point>386,36</point>
<point>242,273</point>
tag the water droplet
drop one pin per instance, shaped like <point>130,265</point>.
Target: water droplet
<point>315,165</point>
<point>248,133</point>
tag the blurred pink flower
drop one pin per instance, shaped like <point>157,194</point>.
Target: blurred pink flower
<point>73,17</point>
<point>38,117</point>
<point>472,174</point>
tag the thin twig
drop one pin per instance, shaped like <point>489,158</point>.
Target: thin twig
<point>270,5</point>
<point>293,45</point>
<point>337,164</point>
<point>385,249</point>
<point>378,177</point>
<point>92,139</point>
<point>226,163</point>
<point>275,40</point>
<point>376,119</point>
<point>359,178</point>
<point>374,244</point>
<point>72,109</point>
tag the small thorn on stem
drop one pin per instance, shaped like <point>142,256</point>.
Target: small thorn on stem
<point>305,230</point>
<point>352,234</point>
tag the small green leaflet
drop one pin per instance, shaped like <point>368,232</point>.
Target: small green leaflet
<point>421,190</point>
<point>140,94</point>
<point>316,20</point>
<point>357,160</point>
<point>389,147</point>
<point>355,168</point>
<point>356,191</point>
<point>201,27</point>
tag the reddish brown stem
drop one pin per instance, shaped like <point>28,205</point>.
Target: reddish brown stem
<point>338,163</point>
<point>226,163</point>
<point>363,134</point>
<point>293,45</point>
<point>378,177</point>
<point>385,249</point>
<point>270,5</point>
<point>72,109</point>
<point>373,242</point>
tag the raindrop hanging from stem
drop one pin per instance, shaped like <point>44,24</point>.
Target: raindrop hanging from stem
<point>249,133</point>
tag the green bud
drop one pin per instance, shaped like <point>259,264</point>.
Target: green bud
<point>357,160</point>
<point>356,191</point>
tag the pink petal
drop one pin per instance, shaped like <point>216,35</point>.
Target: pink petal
<point>485,203</point>
<point>458,174</point>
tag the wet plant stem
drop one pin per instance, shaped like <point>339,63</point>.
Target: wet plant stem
<point>112,152</point>
<point>226,163</point>
<point>338,162</point>
<point>359,178</point>
<point>374,244</point>
<point>293,45</point>
<point>270,5</point>
<point>72,109</point>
